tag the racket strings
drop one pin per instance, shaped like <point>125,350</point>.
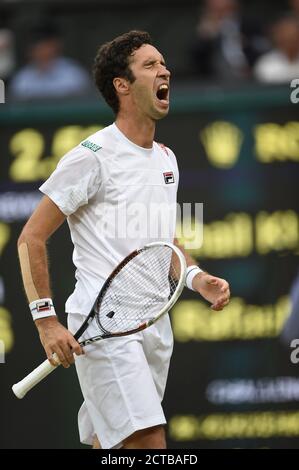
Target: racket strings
<point>139,290</point>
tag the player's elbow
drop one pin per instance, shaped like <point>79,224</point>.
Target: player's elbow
<point>29,236</point>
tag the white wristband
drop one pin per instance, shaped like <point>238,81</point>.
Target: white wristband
<point>42,308</point>
<point>190,275</point>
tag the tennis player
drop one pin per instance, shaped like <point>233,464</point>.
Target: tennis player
<point>122,379</point>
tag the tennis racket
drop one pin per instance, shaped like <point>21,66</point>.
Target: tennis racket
<point>142,288</point>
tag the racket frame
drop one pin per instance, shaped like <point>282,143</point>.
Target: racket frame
<point>165,309</point>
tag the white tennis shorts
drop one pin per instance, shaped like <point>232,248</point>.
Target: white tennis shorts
<point>123,382</point>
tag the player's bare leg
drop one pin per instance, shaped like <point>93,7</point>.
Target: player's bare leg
<point>96,443</point>
<point>150,438</point>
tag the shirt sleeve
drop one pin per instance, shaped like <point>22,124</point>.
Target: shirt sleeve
<point>175,164</point>
<point>76,179</point>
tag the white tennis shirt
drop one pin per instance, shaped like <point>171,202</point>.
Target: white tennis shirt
<point>117,197</point>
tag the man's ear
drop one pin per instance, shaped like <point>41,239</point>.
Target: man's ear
<point>121,85</point>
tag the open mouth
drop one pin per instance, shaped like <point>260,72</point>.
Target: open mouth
<point>162,93</point>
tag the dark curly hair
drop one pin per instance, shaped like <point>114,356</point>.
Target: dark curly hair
<point>112,60</point>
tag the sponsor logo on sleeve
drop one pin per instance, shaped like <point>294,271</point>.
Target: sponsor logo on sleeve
<point>91,146</point>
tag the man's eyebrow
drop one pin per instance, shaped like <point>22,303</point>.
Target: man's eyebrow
<point>153,60</point>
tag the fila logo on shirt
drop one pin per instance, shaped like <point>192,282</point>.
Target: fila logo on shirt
<point>168,177</point>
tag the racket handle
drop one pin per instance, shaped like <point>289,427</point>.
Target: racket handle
<point>37,375</point>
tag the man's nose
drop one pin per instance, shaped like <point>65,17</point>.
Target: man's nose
<point>164,72</point>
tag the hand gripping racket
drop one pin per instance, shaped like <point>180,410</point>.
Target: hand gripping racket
<point>142,288</point>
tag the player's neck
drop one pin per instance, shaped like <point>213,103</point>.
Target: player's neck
<point>139,131</point>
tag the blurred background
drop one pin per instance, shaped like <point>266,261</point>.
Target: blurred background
<point>234,126</point>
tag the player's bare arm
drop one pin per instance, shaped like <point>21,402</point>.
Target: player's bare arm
<point>54,337</point>
<point>214,289</point>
